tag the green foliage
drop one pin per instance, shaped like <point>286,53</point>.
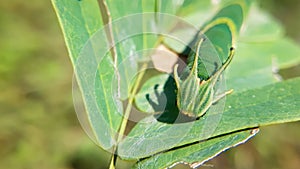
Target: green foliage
<point>258,100</point>
<point>196,153</point>
<point>257,107</point>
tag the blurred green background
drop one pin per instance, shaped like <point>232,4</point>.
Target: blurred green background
<point>38,124</point>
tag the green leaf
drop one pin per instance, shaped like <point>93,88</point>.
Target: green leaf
<point>260,27</point>
<point>120,8</point>
<point>254,63</point>
<point>105,75</point>
<point>150,98</point>
<point>131,41</point>
<point>277,103</point>
<point>80,20</point>
<point>196,153</point>
<point>261,52</point>
<point>169,7</point>
<point>192,10</point>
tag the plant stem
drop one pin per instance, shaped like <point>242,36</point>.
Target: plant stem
<point>107,22</point>
<point>130,101</point>
<point>112,162</point>
<point>126,115</point>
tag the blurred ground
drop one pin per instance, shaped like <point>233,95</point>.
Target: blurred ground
<point>38,124</point>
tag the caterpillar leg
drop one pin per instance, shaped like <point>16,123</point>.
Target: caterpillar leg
<point>219,97</point>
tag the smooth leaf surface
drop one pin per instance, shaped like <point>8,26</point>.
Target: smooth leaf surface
<point>119,8</point>
<point>157,96</point>
<point>198,153</point>
<point>133,43</point>
<point>80,20</point>
<point>260,27</point>
<point>261,51</point>
<point>255,64</point>
<point>276,103</point>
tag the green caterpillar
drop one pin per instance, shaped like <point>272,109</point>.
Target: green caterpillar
<point>194,95</point>
<point>196,91</point>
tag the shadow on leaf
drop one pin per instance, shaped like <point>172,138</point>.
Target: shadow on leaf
<point>166,107</point>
